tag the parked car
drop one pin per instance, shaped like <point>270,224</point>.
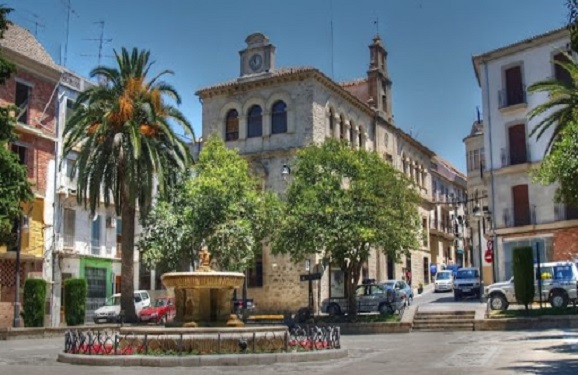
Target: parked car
<point>444,281</point>
<point>402,286</point>
<point>559,287</point>
<point>371,297</point>
<point>110,312</point>
<point>161,311</point>
<point>467,282</point>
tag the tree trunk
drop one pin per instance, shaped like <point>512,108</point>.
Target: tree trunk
<point>128,211</point>
<point>352,279</point>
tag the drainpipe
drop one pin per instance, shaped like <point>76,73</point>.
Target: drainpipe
<point>495,265</point>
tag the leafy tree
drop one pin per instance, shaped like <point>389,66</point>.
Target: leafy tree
<point>127,148</point>
<point>219,205</point>
<point>561,166</point>
<point>523,263</point>
<point>166,239</point>
<point>15,188</point>
<point>343,203</point>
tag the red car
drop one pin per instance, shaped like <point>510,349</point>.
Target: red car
<point>161,311</point>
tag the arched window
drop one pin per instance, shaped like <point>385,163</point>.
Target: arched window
<point>351,134</point>
<point>341,128</point>
<point>360,135</point>
<point>232,125</point>
<point>331,122</point>
<point>255,122</point>
<point>279,118</point>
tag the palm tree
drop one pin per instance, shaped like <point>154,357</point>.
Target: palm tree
<point>127,150</point>
<point>562,106</point>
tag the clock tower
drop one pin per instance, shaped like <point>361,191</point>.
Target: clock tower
<point>259,56</point>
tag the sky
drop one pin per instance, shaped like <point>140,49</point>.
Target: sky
<point>430,44</point>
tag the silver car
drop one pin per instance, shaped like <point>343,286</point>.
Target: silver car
<point>444,281</point>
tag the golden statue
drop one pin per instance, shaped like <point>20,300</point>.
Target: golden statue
<point>204,259</point>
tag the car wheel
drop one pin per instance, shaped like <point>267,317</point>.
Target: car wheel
<point>498,302</point>
<point>385,309</point>
<point>558,299</point>
<point>333,310</point>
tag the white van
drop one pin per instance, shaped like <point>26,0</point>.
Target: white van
<point>444,281</point>
<point>110,312</point>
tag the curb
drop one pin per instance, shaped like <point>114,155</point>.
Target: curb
<point>201,360</point>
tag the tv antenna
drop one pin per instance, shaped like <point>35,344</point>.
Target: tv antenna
<point>69,10</point>
<point>376,23</point>
<point>101,40</point>
<point>33,19</point>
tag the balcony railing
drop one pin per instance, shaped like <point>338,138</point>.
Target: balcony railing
<point>508,98</point>
<point>510,219</point>
<point>562,212</point>
<point>520,159</point>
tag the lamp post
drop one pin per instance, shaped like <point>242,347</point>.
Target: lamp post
<point>22,224</point>
<point>480,215</point>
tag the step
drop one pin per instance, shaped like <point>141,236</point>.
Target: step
<point>444,327</point>
<point>433,313</point>
<point>437,321</point>
<point>447,316</point>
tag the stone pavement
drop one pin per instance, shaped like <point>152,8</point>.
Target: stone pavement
<point>535,352</point>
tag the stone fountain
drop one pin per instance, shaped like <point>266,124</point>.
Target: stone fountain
<point>203,297</point>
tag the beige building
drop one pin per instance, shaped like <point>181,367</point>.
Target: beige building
<point>479,217</point>
<point>523,213</point>
<point>449,241</point>
<point>269,113</point>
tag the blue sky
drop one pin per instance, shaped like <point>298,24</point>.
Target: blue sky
<point>430,44</point>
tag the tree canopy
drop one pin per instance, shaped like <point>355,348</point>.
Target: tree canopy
<point>342,204</point>
<point>221,205</point>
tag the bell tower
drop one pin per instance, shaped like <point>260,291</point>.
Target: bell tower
<point>378,78</point>
<point>259,56</point>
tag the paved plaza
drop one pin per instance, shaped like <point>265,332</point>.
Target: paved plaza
<point>531,352</point>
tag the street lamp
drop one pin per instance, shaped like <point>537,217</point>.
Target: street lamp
<point>22,225</point>
<point>481,214</point>
<point>285,171</point>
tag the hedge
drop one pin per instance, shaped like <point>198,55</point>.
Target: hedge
<point>523,261</point>
<point>75,301</point>
<point>34,302</point>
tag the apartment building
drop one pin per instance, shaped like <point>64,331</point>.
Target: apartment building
<point>521,211</point>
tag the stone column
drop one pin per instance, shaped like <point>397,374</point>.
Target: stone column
<point>242,127</point>
<point>267,124</point>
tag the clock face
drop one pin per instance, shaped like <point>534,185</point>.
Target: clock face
<point>255,62</point>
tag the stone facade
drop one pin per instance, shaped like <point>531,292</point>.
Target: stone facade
<point>317,108</point>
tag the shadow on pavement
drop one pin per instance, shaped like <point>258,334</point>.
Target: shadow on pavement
<point>561,366</point>
<point>450,298</point>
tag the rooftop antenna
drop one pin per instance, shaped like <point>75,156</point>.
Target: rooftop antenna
<point>34,20</point>
<point>376,23</point>
<point>69,10</point>
<point>101,40</point>
<point>331,26</point>
<point>478,113</point>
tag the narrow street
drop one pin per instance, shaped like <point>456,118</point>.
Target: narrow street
<point>444,301</point>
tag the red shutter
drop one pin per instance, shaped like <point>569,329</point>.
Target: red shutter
<point>521,205</point>
<point>514,87</point>
<point>517,141</point>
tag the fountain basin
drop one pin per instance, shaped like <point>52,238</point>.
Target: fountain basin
<point>205,280</point>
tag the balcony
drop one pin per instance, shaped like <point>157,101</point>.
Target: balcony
<point>510,98</point>
<point>511,219</point>
<point>563,212</point>
<point>509,159</point>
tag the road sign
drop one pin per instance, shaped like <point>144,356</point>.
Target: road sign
<point>489,256</point>
<point>310,276</point>
<point>307,265</point>
<point>490,245</point>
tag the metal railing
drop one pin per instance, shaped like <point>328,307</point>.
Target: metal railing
<point>112,342</point>
<point>520,159</point>
<point>508,98</point>
<point>509,218</point>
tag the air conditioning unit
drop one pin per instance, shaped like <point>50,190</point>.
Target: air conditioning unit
<point>111,222</point>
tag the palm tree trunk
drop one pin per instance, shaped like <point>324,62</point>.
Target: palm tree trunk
<point>128,211</point>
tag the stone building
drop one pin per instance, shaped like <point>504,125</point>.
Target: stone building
<point>269,113</point>
<point>522,212</point>
<point>478,207</point>
<point>32,90</point>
